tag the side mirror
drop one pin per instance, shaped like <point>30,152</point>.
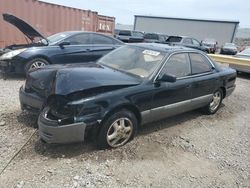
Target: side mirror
<point>64,43</point>
<point>166,78</point>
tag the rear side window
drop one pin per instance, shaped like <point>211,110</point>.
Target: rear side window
<point>174,39</point>
<point>80,39</point>
<point>199,64</point>
<point>98,39</point>
<point>137,34</point>
<point>178,65</point>
<point>187,41</point>
<point>125,33</point>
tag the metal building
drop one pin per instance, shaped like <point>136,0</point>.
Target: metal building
<point>49,19</point>
<point>221,30</point>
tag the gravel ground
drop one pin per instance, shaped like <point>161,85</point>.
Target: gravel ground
<point>189,150</point>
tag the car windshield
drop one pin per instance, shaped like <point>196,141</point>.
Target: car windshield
<point>230,45</point>
<point>57,37</point>
<point>134,60</point>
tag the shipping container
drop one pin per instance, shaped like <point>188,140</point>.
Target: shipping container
<point>49,19</point>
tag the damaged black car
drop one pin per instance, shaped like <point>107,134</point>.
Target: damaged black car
<point>60,48</point>
<point>131,86</point>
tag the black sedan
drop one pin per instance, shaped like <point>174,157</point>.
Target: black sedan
<point>61,48</point>
<point>229,49</point>
<point>130,86</point>
<point>187,42</point>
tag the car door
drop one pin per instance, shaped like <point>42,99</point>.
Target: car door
<point>173,98</point>
<point>77,50</point>
<point>204,80</point>
<point>101,45</point>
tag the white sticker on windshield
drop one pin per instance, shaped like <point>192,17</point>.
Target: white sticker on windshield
<point>151,52</point>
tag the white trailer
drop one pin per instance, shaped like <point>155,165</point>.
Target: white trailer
<point>221,30</point>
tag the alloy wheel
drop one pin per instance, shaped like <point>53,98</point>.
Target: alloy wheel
<point>215,103</point>
<point>37,64</point>
<point>119,132</point>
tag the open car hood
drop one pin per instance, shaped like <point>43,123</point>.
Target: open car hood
<point>24,27</point>
<point>67,79</point>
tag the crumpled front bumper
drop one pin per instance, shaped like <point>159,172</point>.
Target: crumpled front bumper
<point>52,132</point>
<point>30,101</point>
<point>9,66</point>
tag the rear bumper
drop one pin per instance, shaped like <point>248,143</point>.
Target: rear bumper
<point>230,90</point>
<point>30,101</point>
<point>228,52</point>
<point>51,132</point>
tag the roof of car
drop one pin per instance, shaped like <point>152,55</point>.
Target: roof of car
<point>78,32</point>
<point>162,47</point>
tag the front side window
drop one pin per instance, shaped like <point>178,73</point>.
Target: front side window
<point>177,65</point>
<point>199,63</point>
<point>137,34</point>
<point>135,60</point>
<point>80,39</point>
<point>151,36</point>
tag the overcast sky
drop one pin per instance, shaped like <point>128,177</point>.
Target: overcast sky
<point>124,10</point>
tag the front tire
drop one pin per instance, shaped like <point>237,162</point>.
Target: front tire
<point>34,64</point>
<point>117,130</point>
<point>215,104</point>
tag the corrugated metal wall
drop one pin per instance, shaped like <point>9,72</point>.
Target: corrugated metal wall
<point>222,31</point>
<point>49,19</point>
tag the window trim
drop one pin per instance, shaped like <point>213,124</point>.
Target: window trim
<point>185,77</point>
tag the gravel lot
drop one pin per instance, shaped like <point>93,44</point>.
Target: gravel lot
<point>189,150</point>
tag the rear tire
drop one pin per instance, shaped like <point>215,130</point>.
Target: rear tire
<point>215,104</point>
<point>35,63</point>
<point>117,130</point>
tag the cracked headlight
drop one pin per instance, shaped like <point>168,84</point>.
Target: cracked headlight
<point>11,54</point>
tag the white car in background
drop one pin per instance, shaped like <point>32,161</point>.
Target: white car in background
<point>245,54</point>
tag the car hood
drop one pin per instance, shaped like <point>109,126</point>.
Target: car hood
<point>24,27</point>
<point>242,55</point>
<point>68,79</point>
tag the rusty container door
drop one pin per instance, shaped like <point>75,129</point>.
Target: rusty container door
<point>49,19</point>
<point>106,25</point>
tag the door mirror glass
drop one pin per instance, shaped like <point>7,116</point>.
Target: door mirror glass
<point>167,78</point>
